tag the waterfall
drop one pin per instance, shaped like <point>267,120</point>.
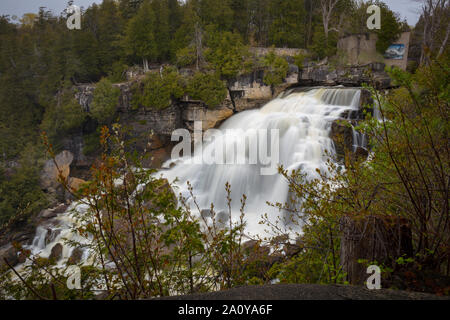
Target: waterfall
<point>359,140</point>
<point>376,111</point>
<point>58,231</point>
<point>303,120</point>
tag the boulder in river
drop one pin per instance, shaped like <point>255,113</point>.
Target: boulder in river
<point>56,252</point>
<point>56,168</point>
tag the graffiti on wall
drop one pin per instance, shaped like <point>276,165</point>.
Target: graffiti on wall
<point>395,52</point>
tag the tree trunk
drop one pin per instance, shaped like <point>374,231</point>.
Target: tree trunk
<point>327,11</point>
<point>374,239</point>
<point>444,43</point>
<point>198,46</point>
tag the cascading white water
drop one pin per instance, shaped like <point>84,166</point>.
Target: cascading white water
<point>359,140</point>
<point>304,122</point>
<point>59,231</point>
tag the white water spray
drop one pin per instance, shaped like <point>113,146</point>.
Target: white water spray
<point>304,122</point>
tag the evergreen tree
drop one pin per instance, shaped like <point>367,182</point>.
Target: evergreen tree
<point>322,46</point>
<point>189,18</point>
<point>175,15</point>
<point>260,20</point>
<point>110,28</point>
<point>158,90</point>
<point>208,88</point>
<point>105,101</point>
<point>128,8</point>
<point>227,54</point>
<point>139,40</point>
<point>288,25</point>
<point>241,17</point>
<point>217,13</point>
<point>161,29</point>
<point>391,28</point>
<point>276,69</point>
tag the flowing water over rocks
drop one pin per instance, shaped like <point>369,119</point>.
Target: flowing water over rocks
<point>304,121</point>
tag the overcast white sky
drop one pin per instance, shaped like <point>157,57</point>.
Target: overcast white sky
<point>408,9</point>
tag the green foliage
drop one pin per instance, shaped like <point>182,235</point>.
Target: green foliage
<point>207,88</point>
<point>139,39</point>
<point>65,119</point>
<point>299,59</point>
<point>323,47</point>
<point>91,144</point>
<point>402,260</point>
<point>215,13</point>
<point>288,25</point>
<point>158,246</point>
<point>174,81</point>
<point>391,28</point>
<point>377,202</point>
<point>37,275</point>
<point>20,194</point>
<point>276,69</point>
<point>309,208</point>
<point>241,17</point>
<point>73,116</point>
<point>414,154</point>
<point>148,34</point>
<point>184,36</point>
<point>158,90</point>
<point>117,72</point>
<point>227,54</point>
<point>105,101</point>
<point>186,57</point>
<point>128,8</point>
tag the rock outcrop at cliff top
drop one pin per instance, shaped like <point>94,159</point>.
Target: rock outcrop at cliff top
<point>352,76</point>
<point>245,92</point>
<point>210,118</point>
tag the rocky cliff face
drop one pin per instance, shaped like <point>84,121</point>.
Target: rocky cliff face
<point>343,131</point>
<point>156,126</point>
<point>246,92</point>
<point>350,76</point>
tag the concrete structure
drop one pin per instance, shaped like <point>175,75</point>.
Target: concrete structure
<point>360,49</point>
<point>401,63</point>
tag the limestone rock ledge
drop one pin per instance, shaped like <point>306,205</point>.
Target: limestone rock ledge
<point>244,93</point>
<point>351,76</point>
